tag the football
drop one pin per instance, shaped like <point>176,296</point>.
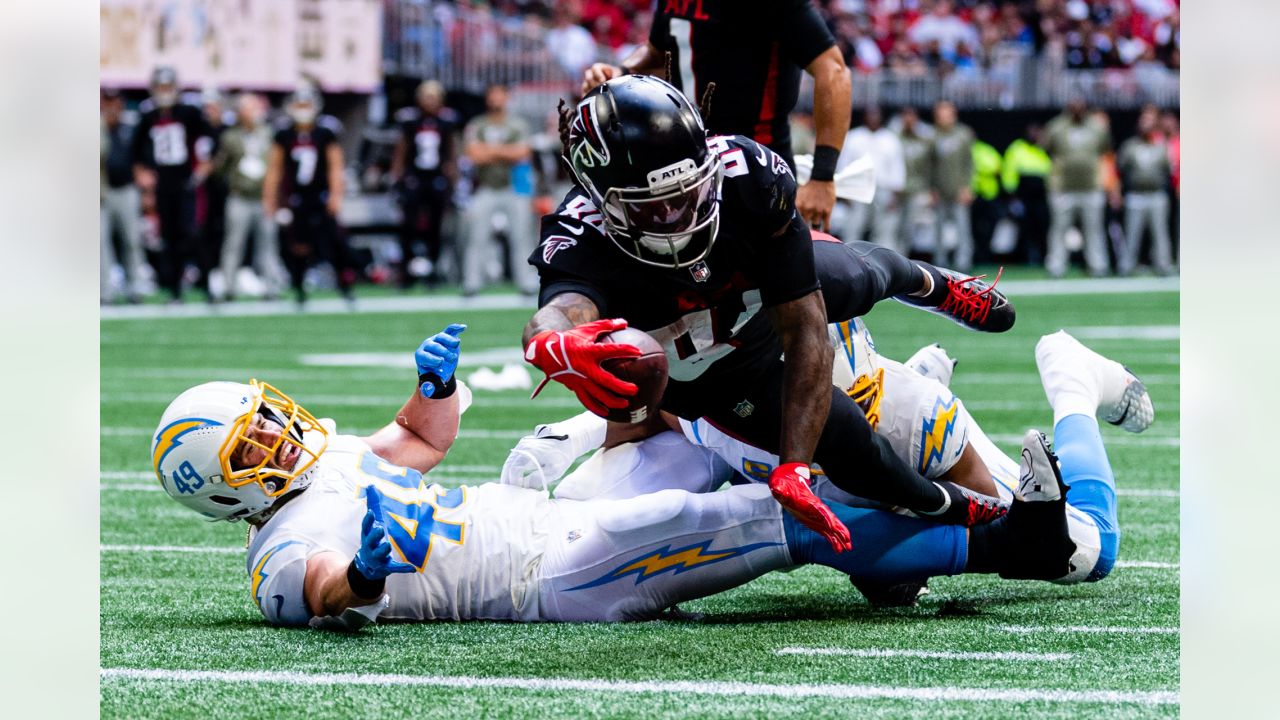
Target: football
<point>648,372</point>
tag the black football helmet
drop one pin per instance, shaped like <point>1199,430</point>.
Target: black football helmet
<point>639,149</point>
<point>164,86</point>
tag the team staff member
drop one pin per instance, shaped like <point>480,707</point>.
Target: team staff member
<point>1024,175</point>
<point>164,161</point>
<point>424,168</point>
<point>753,51</point>
<point>303,191</point>
<point>120,205</point>
<point>698,243</point>
<point>952,184</point>
<point>1143,162</point>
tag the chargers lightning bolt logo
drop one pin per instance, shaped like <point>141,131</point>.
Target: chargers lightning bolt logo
<point>258,574</point>
<point>675,561</point>
<point>170,437</point>
<point>935,430</point>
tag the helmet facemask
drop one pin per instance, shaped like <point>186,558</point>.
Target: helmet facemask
<point>658,224</point>
<point>284,460</point>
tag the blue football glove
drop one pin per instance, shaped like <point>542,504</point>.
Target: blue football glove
<point>437,360</point>
<point>373,559</point>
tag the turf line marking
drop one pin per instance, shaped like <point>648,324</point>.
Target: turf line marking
<point>1032,378</point>
<point>1088,629</point>
<point>124,431</point>
<point>1144,492</point>
<point>684,687</point>
<point>220,550</point>
<point>1119,440</point>
<point>354,400</point>
<point>1147,564</point>
<point>512,301</point>
<point>1127,332</point>
<point>927,654</point>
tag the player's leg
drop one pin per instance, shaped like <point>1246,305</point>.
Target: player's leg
<point>298,249</point>
<point>663,462</point>
<point>411,206</point>
<point>436,198</point>
<point>173,234</point>
<point>1082,385</point>
<point>856,275</point>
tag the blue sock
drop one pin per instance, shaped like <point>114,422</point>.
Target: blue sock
<point>1087,471</point>
<point>887,547</point>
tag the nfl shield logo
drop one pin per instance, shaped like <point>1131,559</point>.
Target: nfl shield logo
<point>700,271</point>
<point>744,408</point>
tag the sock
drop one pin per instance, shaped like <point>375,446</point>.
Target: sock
<point>987,544</point>
<point>887,547</point>
<point>1087,471</point>
<point>934,289</point>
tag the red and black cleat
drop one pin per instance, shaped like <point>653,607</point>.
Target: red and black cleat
<point>968,300</point>
<point>983,509</point>
<point>967,508</point>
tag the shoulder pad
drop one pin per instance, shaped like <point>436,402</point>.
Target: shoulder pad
<point>577,206</point>
<point>406,114</point>
<point>331,123</point>
<point>146,106</point>
<point>756,175</point>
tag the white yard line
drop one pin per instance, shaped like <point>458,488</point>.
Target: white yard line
<point>1125,440</point>
<point>663,687</point>
<point>1088,629</point>
<point>1126,332</point>
<point>927,654</point>
<point>511,301</point>
<point>1033,378</point>
<point>390,401</point>
<point>1147,564</point>
<point>170,549</point>
<point>1144,492</point>
<point>125,431</point>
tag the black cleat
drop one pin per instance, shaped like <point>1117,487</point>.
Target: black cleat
<point>892,595</point>
<point>1040,543</point>
<point>967,300</point>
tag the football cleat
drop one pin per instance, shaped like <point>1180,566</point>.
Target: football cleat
<point>967,300</point>
<point>1039,476</point>
<point>891,595</point>
<point>933,361</point>
<point>1067,367</point>
<point>966,507</point>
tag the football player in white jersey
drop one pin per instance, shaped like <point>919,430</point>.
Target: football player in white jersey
<point>348,529</point>
<point>910,404</point>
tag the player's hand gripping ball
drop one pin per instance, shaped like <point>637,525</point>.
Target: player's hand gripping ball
<point>647,371</point>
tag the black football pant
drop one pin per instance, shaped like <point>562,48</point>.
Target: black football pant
<point>423,202</point>
<point>313,236</point>
<point>747,402</point>
<point>175,209</point>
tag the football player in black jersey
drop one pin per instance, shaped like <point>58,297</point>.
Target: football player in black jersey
<point>303,191</point>
<point>753,50</point>
<point>696,240</point>
<point>424,169</point>
<point>165,161</point>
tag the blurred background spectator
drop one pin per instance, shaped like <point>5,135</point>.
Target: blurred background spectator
<point>951,187</point>
<point>1143,162</point>
<point>1006,66</point>
<point>1076,143</point>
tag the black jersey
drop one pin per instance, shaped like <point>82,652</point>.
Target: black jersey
<point>306,158</point>
<point>165,140</point>
<point>706,315</point>
<point>429,139</point>
<point>753,50</point>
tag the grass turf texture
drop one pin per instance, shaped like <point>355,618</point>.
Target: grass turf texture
<point>192,611</point>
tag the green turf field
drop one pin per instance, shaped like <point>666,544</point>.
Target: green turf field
<point>175,596</point>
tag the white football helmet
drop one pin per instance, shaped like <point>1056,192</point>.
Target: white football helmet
<point>204,434</point>
<point>856,369</point>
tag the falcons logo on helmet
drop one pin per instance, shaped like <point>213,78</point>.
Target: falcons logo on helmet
<point>590,149</point>
<point>555,244</point>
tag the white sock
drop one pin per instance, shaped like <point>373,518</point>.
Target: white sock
<point>1073,403</point>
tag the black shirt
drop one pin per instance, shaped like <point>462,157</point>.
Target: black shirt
<point>306,159</point>
<point>753,50</point>
<point>429,139</point>
<point>119,160</point>
<point>165,141</point>
<point>706,315</point>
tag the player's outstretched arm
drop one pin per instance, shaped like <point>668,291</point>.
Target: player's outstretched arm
<point>832,103</point>
<point>427,424</point>
<point>334,583</point>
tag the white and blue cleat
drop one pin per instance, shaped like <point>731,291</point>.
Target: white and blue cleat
<point>1072,373</point>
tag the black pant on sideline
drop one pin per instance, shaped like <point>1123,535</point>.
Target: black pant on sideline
<point>175,208</point>
<point>313,236</point>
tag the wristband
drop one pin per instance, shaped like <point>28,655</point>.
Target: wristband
<point>824,163</point>
<point>443,389</point>
<point>362,586</point>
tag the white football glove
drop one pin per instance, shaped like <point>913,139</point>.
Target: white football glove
<point>542,458</point>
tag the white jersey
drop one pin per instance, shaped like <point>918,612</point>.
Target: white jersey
<point>477,549</point>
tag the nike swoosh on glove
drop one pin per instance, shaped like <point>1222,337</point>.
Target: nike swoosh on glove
<point>572,358</point>
<point>789,483</point>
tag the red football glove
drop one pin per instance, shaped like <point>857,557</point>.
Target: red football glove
<point>572,357</point>
<point>789,483</point>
